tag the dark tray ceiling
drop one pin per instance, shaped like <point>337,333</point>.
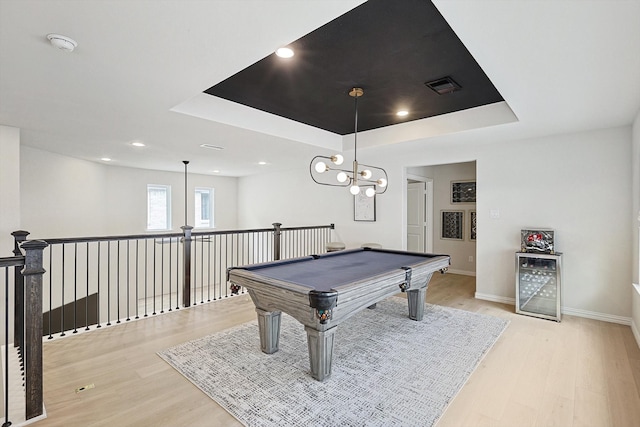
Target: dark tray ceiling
<point>389,48</point>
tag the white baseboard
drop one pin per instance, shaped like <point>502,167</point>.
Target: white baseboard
<point>462,272</point>
<point>604,317</point>
<point>611,318</point>
<point>636,333</point>
<point>496,298</point>
<point>635,328</point>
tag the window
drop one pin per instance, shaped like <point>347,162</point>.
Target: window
<point>158,207</point>
<point>204,208</point>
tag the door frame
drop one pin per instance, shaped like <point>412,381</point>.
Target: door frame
<point>428,236</point>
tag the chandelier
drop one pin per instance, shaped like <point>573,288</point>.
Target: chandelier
<point>371,180</point>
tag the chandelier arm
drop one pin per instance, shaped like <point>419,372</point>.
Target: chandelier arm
<point>345,184</point>
<point>374,167</point>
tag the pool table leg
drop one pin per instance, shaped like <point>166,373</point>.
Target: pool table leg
<point>320,351</point>
<point>269,325</point>
<point>416,303</point>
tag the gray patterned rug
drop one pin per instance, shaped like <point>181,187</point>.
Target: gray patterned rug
<point>387,370</point>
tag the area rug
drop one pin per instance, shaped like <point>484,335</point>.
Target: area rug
<point>387,370</point>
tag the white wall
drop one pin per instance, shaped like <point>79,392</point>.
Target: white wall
<point>635,226</point>
<point>459,250</point>
<point>127,196</point>
<point>9,209</point>
<point>293,199</point>
<point>9,187</point>
<point>67,197</point>
<point>61,196</point>
<point>578,184</point>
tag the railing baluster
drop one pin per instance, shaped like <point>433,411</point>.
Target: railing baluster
<point>86,305</point>
<point>108,283</point>
<point>146,275</point>
<point>170,263</point>
<point>137,275</point>
<point>155,243</point>
<point>50,291</point>
<point>177,275</point>
<point>118,282</point>
<point>63,271</point>
<point>128,276</point>
<point>6,347</point>
<point>162,276</point>
<point>99,273</point>
<point>209,269</point>
<point>202,270</point>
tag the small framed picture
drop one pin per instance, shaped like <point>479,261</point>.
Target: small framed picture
<point>463,192</point>
<point>452,225</point>
<point>472,225</point>
<point>364,208</point>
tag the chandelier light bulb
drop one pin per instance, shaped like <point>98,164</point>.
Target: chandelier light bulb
<point>370,192</point>
<point>382,182</point>
<point>354,190</point>
<point>341,177</point>
<point>321,167</point>
<point>366,174</point>
<point>337,159</point>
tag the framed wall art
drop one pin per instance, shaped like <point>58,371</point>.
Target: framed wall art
<point>472,225</point>
<point>364,208</point>
<point>452,225</point>
<point>463,191</point>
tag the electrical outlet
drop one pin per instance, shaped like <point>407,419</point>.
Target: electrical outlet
<point>470,258</point>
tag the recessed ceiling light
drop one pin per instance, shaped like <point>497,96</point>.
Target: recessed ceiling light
<point>105,159</point>
<point>137,144</point>
<point>62,42</point>
<point>262,163</point>
<point>402,113</point>
<point>215,171</point>
<point>285,52</point>
<point>211,147</point>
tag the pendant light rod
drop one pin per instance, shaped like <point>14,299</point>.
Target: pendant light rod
<point>186,162</point>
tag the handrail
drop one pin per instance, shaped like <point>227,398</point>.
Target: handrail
<point>12,261</point>
<point>60,240</point>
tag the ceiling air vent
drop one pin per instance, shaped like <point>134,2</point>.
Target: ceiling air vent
<point>443,86</point>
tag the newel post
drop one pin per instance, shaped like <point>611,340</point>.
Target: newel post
<point>32,273</point>
<point>186,266</point>
<point>18,291</point>
<point>277,232</point>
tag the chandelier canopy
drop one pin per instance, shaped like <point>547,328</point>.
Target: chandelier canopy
<point>371,180</point>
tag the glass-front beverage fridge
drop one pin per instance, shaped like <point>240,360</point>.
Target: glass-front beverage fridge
<point>538,284</point>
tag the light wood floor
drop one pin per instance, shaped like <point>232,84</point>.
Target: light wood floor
<point>578,372</point>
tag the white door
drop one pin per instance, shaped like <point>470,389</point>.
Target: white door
<point>416,208</point>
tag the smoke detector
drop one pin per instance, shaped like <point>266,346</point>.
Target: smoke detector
<point>62,42</point>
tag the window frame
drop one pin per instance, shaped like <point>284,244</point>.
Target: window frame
<point>167,190</point>
<point>197,208</point>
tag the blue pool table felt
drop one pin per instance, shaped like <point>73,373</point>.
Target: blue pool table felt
<point>335,269</point>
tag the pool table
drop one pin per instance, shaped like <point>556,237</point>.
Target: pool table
<point>321,291</point>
